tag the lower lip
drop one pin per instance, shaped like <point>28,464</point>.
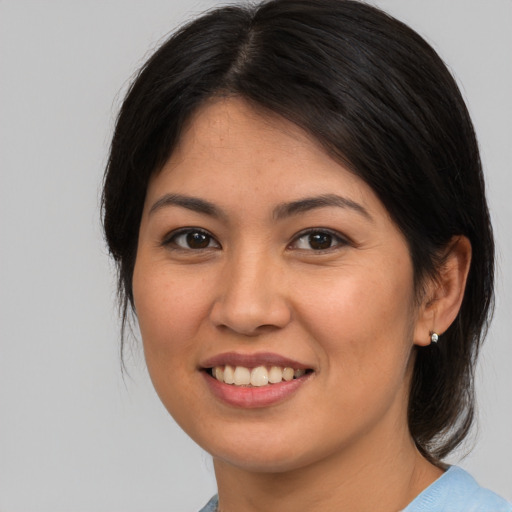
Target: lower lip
<point>254,397</point>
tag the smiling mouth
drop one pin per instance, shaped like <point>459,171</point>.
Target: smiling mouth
<point>258,376</point>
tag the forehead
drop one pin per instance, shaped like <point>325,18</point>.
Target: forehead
<point>222,120</point>
<point>232,148</point>
<point>229,127</point>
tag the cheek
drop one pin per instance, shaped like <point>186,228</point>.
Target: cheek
<point>362,328</point>
<point>362,319</point>
<point>169,308</point>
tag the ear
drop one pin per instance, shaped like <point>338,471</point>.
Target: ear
<point>444,292</point>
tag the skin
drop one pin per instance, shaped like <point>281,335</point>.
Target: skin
<point>348,312</point>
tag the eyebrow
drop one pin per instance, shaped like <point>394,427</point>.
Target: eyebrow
<point>313,203</point>
<point>190,203</point>
<point>280,212</point>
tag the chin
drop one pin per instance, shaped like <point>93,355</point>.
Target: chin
<point>267,462</point>
<point>263,453</point>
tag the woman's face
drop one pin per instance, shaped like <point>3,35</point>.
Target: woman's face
<point>258,252</point>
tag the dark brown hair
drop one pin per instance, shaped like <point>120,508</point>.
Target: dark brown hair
<point>380,100</point>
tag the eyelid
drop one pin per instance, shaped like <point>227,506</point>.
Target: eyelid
<point>342,239</point>
<point>169,239</point>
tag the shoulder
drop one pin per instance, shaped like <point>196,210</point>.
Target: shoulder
<point>457,491</point>
<point>211,506</point>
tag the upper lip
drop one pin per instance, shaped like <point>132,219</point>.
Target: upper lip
<point>252,360</point>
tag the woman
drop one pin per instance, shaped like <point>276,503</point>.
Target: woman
<point>295,202</point>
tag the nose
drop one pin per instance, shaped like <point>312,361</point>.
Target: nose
<point>252,297</point>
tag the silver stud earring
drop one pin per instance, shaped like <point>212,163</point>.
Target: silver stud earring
<point>434,337</point>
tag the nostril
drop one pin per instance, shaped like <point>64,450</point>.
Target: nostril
<point>252,317</point>
<point>248,331</point>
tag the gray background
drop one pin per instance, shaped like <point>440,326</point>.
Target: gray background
<point>73,434</point>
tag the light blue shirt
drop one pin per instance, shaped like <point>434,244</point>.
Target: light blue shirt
<point>457,491</point>
<point>454,491</point>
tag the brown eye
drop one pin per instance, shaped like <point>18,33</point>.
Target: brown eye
<point>318,240</point>
<point>197,240</point>
<point>193,239</point>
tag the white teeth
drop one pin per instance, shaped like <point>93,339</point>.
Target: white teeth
<point>242,376</point>
<point>257,377</point>
<point>275,375</point>
<point>218,373</point>
<point>288,374</point>
<point>229,374</point>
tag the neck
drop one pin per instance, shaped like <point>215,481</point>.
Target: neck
<point>361,478</point>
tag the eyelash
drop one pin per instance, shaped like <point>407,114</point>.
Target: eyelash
<point>334,237</point>
<point>171,239</point>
